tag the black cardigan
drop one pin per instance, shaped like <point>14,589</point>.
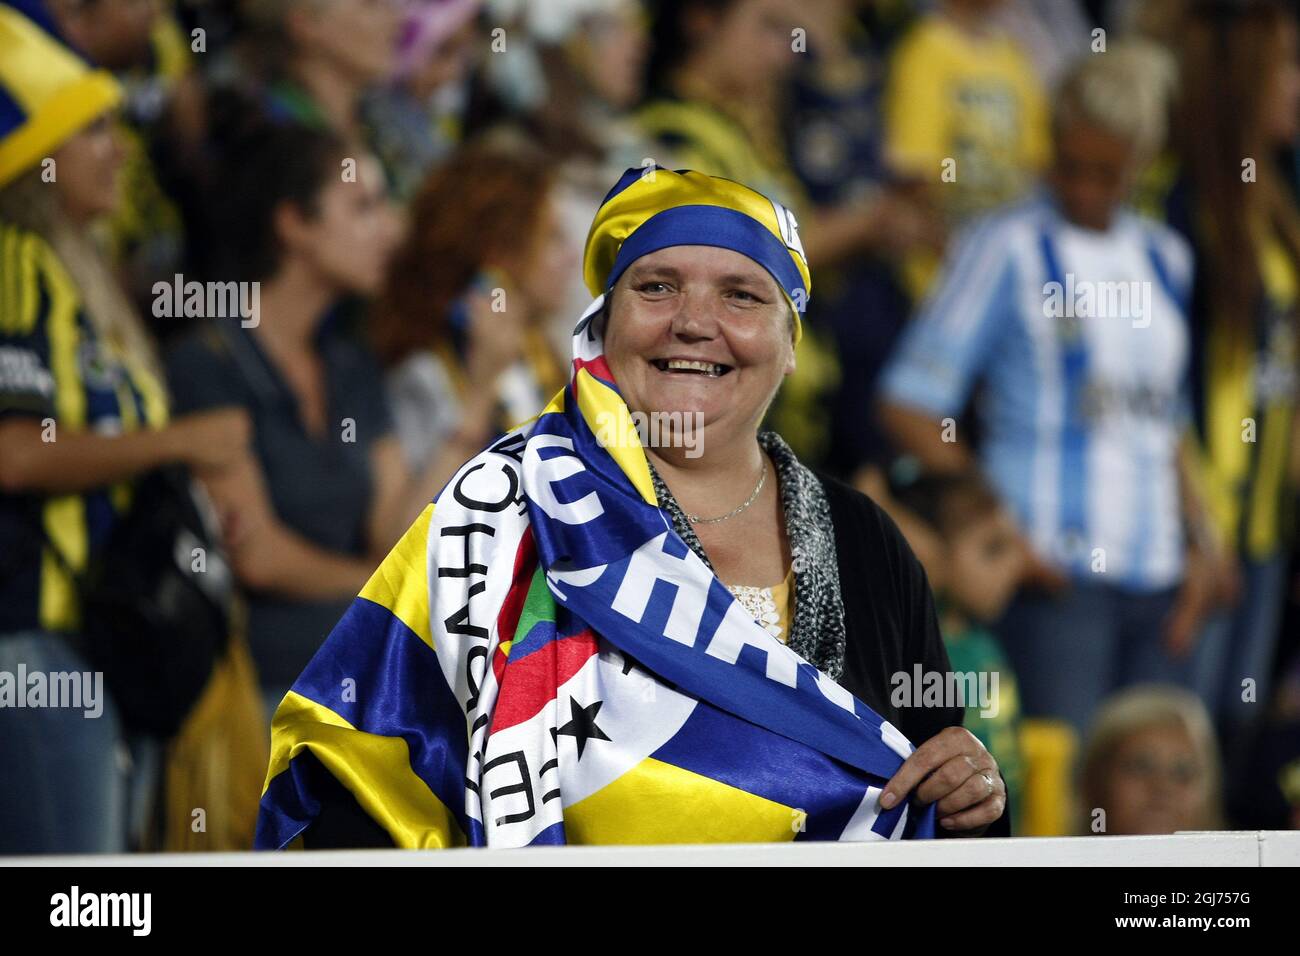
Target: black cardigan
<point>890,621</point>
<point>890,625</point>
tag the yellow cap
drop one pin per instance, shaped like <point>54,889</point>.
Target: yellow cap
<point>47,94</point>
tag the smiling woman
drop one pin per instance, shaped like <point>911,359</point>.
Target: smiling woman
<point>626,642</point>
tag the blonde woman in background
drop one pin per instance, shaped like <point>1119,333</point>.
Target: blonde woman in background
<point>1151,765</point>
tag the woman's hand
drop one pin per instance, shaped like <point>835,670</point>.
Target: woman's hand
<point>495,341</point>
<point>1210,578</point>
<point>266,554</point>
<point>900,224</point>
<point>955,772</point>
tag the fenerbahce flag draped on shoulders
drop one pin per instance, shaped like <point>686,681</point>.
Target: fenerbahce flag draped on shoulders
<point>542,660</point>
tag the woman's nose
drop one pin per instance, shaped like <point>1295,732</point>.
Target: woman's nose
<point>695,319</point>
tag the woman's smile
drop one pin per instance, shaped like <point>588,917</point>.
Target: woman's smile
<point>694,368</point>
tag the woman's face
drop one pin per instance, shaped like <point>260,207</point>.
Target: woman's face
<point>86,170</point>
<point>1156,783</point>
<point>1092,171</point>
<point>114,34</point>
<point>750,44</point>
<point>610,53</point>
<point>449,63</point>
<point>352,233</point>
<point>698,329</point>
<point>552,254</point>
<point>357,37</point>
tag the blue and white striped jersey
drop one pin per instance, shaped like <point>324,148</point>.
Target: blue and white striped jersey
<point>1079,343</point>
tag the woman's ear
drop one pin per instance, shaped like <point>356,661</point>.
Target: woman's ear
<point>290,227</point>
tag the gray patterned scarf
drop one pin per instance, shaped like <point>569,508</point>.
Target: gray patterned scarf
<point>817,633</point>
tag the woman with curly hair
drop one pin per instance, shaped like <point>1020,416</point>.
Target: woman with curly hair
<point>460,325</point>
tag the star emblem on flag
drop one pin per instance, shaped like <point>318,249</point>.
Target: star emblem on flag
<point>582,724</point>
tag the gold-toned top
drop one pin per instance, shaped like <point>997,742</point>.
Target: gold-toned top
<point>771,607</point>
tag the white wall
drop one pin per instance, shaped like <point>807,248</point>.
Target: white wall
<point>1234,848</point>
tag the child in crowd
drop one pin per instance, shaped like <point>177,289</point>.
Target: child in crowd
<point>974,563</point>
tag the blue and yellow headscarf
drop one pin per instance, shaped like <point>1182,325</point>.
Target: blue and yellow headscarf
<point>653,208</point>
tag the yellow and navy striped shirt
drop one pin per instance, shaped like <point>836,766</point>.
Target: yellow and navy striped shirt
<point>1248,397</point>
<point>55,367</point>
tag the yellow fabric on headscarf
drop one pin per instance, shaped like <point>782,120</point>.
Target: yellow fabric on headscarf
<point>653,208</point>
<point>56,94</point>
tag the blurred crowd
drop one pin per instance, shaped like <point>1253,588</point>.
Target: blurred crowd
<point>271,270</point>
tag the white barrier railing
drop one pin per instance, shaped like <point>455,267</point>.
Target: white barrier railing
<point>1229,848</point>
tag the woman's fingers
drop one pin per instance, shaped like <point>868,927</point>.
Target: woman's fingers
<point>955,772</point>
<point>980,815</point>
<point>972,791</point>
<point>961,772</point>
<point>930,756</point>
<point>924,759</point>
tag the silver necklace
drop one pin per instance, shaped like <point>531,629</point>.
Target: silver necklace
<point>696,519</point>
